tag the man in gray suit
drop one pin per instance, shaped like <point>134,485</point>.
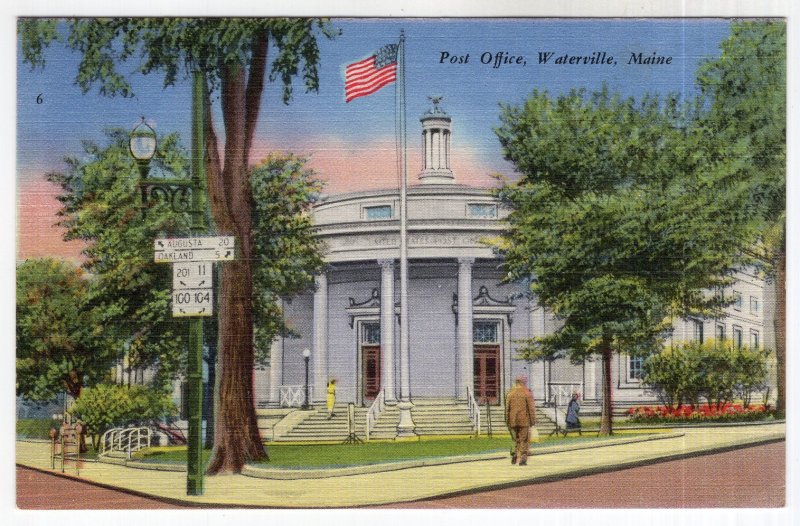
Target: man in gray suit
<point>520,416</point>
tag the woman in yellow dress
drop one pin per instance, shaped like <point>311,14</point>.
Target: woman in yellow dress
<point>331,397</point>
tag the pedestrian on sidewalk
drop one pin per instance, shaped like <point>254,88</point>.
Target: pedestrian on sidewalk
<point>573,409</point>
<point>331,397</point>
<point>520,416</point>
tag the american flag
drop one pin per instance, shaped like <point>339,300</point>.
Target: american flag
<point>371,74</point>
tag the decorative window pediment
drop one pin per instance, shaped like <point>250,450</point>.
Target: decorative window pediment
<point>483,303</point>
<point>369,307</point>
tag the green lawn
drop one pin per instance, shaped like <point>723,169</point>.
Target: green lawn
<point>35,427</point>
<point>339,455</point>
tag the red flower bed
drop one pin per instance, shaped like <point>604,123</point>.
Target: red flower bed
<point>698,413</point>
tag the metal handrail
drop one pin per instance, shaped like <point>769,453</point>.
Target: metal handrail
<point>294,395</point>
<point>125,440</point>
<point>108,438</point>
<point>374,411</point>
<point>474,411</point>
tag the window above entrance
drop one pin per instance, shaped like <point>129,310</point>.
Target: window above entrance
<point>484,332</point>
<point>371,333</point>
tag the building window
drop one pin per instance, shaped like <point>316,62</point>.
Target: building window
<point>371,333</point>
<point>720,332</point>
<point>482,210</point>
<point>754,305</point>
<point>484,332</point>
<point>737,336</point>
<point>635,367</point>
<point>378,212</point>
<point>737,300</point>
<point>754,339</point>
<point>697,330</point>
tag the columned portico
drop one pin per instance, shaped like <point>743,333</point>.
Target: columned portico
<point>319,355</point>
<point>464,361</point>
<point>387,328</point>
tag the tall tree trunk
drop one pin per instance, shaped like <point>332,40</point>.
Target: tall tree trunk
<point>237,439</point>
<point>780,328</point>
<point>606,414</point>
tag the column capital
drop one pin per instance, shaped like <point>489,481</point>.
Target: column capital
<point>466,261</point>
<point>386,263</point>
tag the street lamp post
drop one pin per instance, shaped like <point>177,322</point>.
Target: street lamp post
<point>183,196</point>
<point>306,356</point>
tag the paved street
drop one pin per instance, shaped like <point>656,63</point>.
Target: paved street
<point>43,491</point>
<point>707,481</point>
<point>701,482</point>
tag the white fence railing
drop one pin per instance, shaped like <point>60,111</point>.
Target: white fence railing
<point>374,412</point>
<point>125,440</point>
<point>560,393</point>
<point>295,395</point>
<point>474,411</point>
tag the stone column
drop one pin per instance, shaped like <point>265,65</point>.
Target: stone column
<point>590,385</point>
<point>275,371</point>
<point>387,328</point>
<point>319,351</point>
<point>465,350</point>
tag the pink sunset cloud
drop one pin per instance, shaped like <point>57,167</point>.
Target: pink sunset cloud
<point>346,167</point>
<point>37,232</point>
<point>342,165</point>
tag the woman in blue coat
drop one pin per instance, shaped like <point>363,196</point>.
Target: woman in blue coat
<point>573,409</point>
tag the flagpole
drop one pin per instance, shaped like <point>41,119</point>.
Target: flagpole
<point>406,425</point>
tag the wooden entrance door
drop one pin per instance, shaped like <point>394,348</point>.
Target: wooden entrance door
<point>487,373</point>
<point>371,366</point>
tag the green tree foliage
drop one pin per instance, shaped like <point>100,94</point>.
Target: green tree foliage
<point>233,55</point>
<point>60,340</point>
<point>131,296</point>
<point>288,255</point>
<point>614,221</point>
<point>717,371</point>
<point>746,90</point>
<point>110,405</point>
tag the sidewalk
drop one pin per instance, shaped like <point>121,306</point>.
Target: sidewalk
<point>410,483</point>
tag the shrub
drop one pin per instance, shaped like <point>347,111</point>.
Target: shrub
<point>109,405</point>
<point>716,371</point>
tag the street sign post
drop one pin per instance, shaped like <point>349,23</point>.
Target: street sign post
<point>181,249</point>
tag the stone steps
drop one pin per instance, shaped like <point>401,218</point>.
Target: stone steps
<point>431,418</point>
<point>317,427</point>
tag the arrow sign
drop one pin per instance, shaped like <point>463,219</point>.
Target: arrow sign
<point>192,294</point>
<point>194,275</point>
<point>182,249</point>
<point>192,302</point>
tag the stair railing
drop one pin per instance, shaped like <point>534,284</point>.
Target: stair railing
<point>125,440</point>
<point>108,439</point>
<point>474,411</point>
<point>294,395</point>
<point>374,411</point>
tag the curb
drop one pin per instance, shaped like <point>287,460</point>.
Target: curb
<point>320,473</point>
<point>296,474</point>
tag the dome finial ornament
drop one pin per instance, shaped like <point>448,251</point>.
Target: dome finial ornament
<point>436,100</point>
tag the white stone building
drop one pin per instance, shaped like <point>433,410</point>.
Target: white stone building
<point>464,323</point>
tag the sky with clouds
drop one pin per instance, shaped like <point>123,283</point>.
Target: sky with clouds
<point>351,145</point>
